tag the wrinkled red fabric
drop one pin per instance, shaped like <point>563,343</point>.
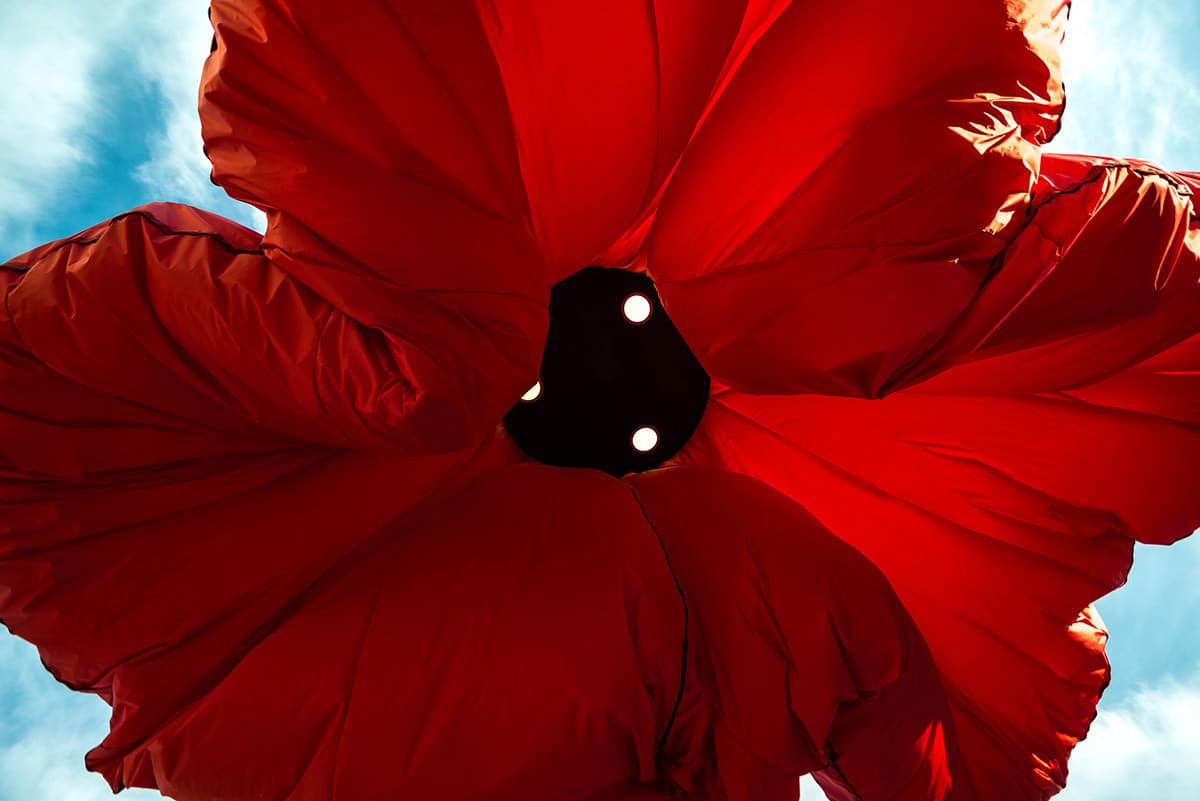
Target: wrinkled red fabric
<point>783,607</point>
<point>254,495</point>
<point>1001,491</point>
<point>845,198</point>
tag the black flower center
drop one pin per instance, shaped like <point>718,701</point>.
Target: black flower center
<point>619,389</point>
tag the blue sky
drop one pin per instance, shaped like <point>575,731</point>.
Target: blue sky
<point>99,108</point>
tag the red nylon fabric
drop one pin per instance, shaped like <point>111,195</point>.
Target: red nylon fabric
<point>229,341</point>
<point>251,492</point>
<point>541,664</point>
<point>1103,275</point>
<point>993,571</point>
<point>501,146</point>
<point>843,200</point>
<point>809,659</point>
<point>1001,492</point>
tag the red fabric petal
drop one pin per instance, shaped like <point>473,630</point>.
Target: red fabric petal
<point>810,660</point>
<point>454,146</point>
<point>214,588</point>
<point>148,595</point>
<point>997,520</point>
<point>156,517</point>
<point>1104,274</point>
<point>501,645</point>
<point>1001,491</point>
<point>171,318</point>
<point>842,202</point>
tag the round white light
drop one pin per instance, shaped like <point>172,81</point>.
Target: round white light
<point>644,439</point>
<point>636,308</point>
<point>533,393</point>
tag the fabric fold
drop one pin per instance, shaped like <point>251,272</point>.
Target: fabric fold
<point>810,661</point>
<point>998,521</point>
<point>456,145</point>
<point>174,316</point>
<point>496,644</point>
<point>843,200</point>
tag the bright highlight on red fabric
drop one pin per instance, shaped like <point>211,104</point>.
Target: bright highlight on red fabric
<point>254,493</point>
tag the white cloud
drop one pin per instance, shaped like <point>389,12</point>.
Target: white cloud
<point>1133,90</point>
<point>1132,78</point>
<point>170,51</point>
<point>1145,747</point>
<point>49,98</point>
<point>62,61</point>
<point>45,730</point>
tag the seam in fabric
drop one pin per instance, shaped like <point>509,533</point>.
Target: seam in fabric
<point>686,621</point>
<point>836,768</point>
<point>81,240</point>
<point>904,377</point>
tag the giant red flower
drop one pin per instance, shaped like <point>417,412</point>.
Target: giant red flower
<point>255,493</point>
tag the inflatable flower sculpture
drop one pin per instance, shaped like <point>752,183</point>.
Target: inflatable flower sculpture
<point>654,399</point>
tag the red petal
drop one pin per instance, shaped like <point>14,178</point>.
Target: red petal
<point>1055,422</point>
<point>809,658</point>
<point>454,146</point>
<point>1104,274</point>
<point>173,318</point>
<point>841,204</point>
<point>504,645</point>
<point>153,519</point>
<point>997,519</point>
<point>168,553</point>
<point>149,592</point>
